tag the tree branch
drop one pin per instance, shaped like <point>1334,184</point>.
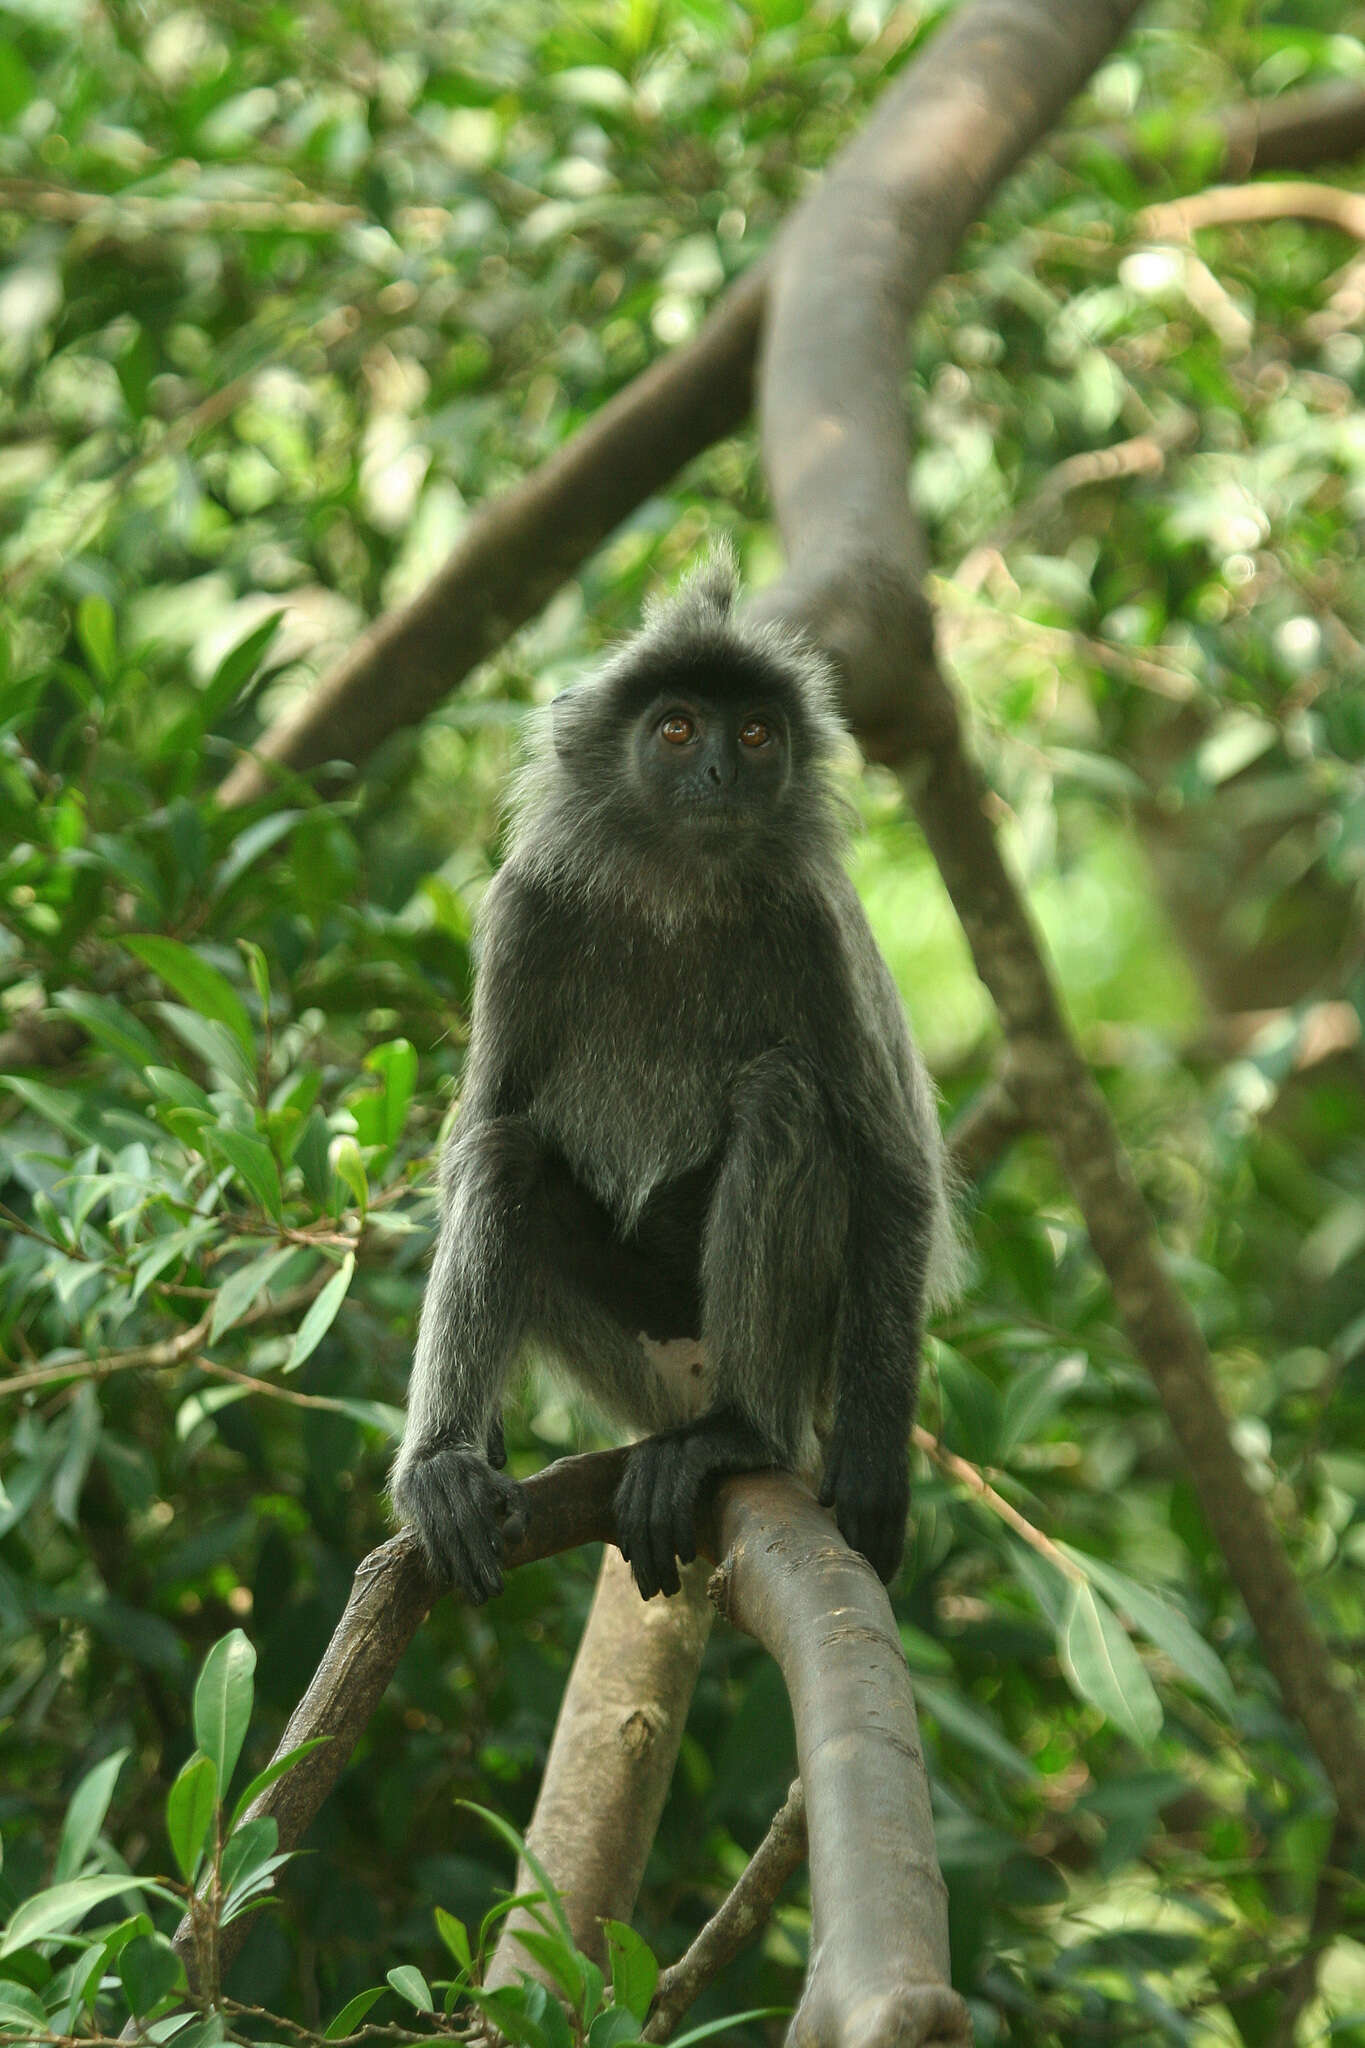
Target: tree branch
<point>519,549</point>
<point>740,1919</point>
<point>879,1962</point>
<point>1239,205</point>
<point>851,272</point>
<point>570,1504</point>
<point>611,1762</point>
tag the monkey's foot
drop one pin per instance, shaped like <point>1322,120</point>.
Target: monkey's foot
<point>868,1486</point>
<point>657,1499</point>
<point>463,1512</point>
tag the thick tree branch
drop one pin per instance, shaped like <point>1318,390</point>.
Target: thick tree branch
<point>879,1962</point>
<point>789,1579</point>
<point>1295,131</point>
<point>570,1504</point>
<point>611,1762</point>
<point>851,272</point>
<point>520,548</point>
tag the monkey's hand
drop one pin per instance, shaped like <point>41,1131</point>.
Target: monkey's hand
<point>867,1483</point>
<point>463,1511</point>
<point>657,1499</point>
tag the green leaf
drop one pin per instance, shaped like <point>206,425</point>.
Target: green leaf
<point>57,1909</point>
<point>1163,1624</point>
<point>190,1805</point>
<point>966,1724</point>
<point>149,1970</point>
<point>408,1981</point>
<point>614,2027</point>
<point>203,1405</point>
<point>519,1849</point>
<point>235,670</point>
<point>222,1702</point>
<point>310,1153</point>
<point>739,2019</point>
<point>16,83</point>
<point>558,1958</point>
<point>248,847</point>
<point>634,1968</point>
<point>22,2012</point>
<point>254,1165</point>
<point>354,2011</point>
<point>273,1770</point>
<point>215,1045</point>
<point>258,968</point>
<point>173,1086</point>
<point>197,983</point>
<point>111,1026</point>
<point>1105,1669</point>
<point>256,1886</point>
<point>244,1287</point>
<point>321,1315</point>
<point>85,1813</point>
<point>96,632</point>
<point>63,1112</point>
<point>248,1849</point>
<point>349,1168</point>
<point>396,1064</point>
<point>516,2012</point>
<point>455,1935</point>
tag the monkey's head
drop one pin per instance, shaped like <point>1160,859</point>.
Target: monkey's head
<point>702,740</point>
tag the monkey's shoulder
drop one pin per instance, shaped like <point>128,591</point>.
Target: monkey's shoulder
<point>766,935</point>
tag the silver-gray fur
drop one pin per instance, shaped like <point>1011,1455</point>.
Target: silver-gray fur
<point>697,1159</point>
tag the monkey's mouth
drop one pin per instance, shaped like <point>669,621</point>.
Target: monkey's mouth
<point>715,808</point>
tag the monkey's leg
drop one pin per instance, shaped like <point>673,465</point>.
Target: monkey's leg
<point>444,1481</point>
<point>771,1249</point>
<point>876,1361</point>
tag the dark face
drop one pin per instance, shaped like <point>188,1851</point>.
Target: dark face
<point>715,765</point>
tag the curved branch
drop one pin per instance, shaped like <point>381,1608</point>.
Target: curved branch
<point>1242,205</point>
<point>852,270</point>
<point>1295,131</point>
<point>570,1503</point>
<point>879,1963</point>
<point>518,550</point>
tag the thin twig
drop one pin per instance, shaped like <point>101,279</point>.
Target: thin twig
<point>970,1476</point>
<point>741,1917</point>
<point>1240,205</point>
<point>167,1351</point>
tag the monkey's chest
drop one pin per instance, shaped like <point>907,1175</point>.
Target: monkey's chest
<point>641,1063</point>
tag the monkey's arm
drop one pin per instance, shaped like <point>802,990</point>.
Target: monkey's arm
<point>876,1355</point>
<point>445,1480</point>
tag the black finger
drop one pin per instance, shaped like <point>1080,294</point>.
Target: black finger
<point>683,1521</point>
<point>668,1488</point>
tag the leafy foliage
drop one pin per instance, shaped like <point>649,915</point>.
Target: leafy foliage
<point>285,294</point>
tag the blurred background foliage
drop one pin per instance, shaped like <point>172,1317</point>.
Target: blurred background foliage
<point>286,293</point>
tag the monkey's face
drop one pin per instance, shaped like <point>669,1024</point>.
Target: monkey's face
<point>712,766</point>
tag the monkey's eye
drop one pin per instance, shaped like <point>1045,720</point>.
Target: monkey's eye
<point>677,729</point>
<point>754,733</point>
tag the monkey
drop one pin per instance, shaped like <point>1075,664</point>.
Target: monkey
<point>697,1159</point>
